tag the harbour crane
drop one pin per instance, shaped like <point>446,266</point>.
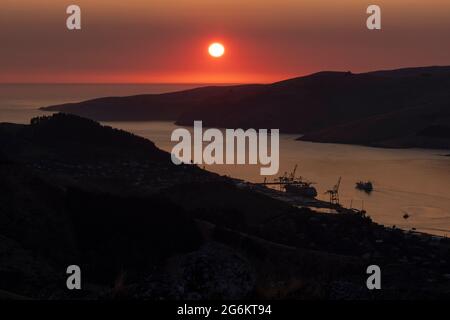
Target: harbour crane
<point>292,175</point>
<point>334,193</point>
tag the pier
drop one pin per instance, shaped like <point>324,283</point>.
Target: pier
<point>300,193</point>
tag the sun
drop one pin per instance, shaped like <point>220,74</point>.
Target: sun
<point>216,50</point>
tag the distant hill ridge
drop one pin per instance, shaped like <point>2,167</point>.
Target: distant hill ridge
<point>386,108</point>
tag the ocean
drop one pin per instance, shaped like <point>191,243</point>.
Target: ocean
<point>406,181</point>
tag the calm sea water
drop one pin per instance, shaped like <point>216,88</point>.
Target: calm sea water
<point>413,181</point>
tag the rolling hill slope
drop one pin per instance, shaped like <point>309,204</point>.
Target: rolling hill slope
<point>326,106</point>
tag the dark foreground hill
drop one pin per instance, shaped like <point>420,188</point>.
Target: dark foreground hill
<point>74,192</point>
<point>394,108</point>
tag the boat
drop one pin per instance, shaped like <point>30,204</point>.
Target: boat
<point>297,185</point>
<point>301,188</point>
<point>294,185</point>
<point>364,186</point>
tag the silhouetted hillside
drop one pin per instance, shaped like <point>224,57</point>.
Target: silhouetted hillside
<point>305,105</point>
<point>426,126</point>
<point>75,192</point>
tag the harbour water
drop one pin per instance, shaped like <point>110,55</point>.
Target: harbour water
<point>415,182</point>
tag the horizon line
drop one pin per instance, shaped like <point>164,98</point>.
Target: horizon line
<point>224,83</point>
<point>128,83</point>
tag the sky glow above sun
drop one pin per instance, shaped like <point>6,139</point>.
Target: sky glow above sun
<point>169,40</point>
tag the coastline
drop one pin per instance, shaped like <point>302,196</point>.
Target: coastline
<point>105,190</point>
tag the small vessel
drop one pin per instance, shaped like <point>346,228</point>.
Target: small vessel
<point>364,186</point>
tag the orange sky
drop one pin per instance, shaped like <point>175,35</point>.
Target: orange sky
<point>166,40</point>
